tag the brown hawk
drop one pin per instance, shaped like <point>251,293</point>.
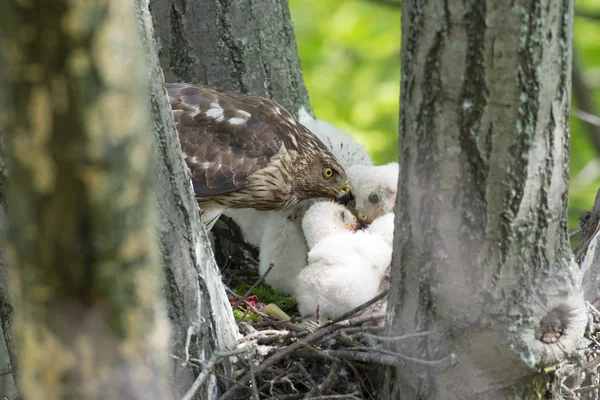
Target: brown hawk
<point>249,152</point>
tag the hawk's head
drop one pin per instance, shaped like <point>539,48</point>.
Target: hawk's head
<point>323,176</point>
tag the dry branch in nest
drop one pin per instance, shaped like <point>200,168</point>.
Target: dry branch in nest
<point>286,360</point>
<point>342,359</point>
<point>578,377</point>
<point>339,358</point>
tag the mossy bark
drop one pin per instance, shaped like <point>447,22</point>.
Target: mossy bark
<point>89,319</point>
<point>234,45</point>
<point>8,358</point>
<point>481,248</point>
<point>201,317</point>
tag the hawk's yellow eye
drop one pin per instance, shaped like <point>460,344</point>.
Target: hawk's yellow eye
<point>328,173</point>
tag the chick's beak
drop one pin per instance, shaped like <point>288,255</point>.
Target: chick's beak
<point>366,221</point>
<point>343,195</point>
<point>352,227</point>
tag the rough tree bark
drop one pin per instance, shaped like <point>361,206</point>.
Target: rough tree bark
<point>587,253</point>
<point>7,349</point>
<point>89,319</point>
<point>243,46</point>
<point>482,254</point>
<point>239,46</point>
<point>201,318</point>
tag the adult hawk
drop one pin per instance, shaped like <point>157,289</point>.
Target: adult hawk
<point>249,152</point>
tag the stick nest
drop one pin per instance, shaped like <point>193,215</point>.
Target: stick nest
<point>343,359</point>
<point>275,359</point>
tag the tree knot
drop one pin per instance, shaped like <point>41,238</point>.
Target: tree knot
<point>551,326</point>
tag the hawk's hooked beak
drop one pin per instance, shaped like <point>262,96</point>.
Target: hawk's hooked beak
<point>366,221</point>
<point>342,195</point>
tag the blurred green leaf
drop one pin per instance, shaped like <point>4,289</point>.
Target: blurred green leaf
<point>350,53</point>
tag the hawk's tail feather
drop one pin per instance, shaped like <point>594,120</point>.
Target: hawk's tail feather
<point>210,218</point>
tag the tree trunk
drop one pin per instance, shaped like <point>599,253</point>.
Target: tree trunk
<point>89,319</point>
<point>7,349</point>
<point>482,255</point>
<point>201,317</point>
<point>587,253</point>
<point>243,46</point>
<point>239,46</point>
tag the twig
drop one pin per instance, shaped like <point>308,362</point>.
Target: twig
<point>586,116</point>
<point>326,384</point>
<point>247,303</point>
<point>568,391</point>
<point>391,338</point>
<point>583,250</point>
<point>308,375</point>
<point>575,232</point>
<point>586,389</point>
<point>337,396</point>
<point>354,310</point>
<point>258,281</point>
<point>375,356</point>
<point>313,337</point>
<point>243,316</point>
<point>255,395</point>
<point>592,364</point>
<point>585,101</point>
<point>587,14</point>
<point>286,324</point>
<point>592,308</point>
<point>428,363</point>
<point>216,357</point>
<point>261,334</point>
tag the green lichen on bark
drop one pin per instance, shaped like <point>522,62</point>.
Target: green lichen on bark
<point>201,318</point>
<point>89,321</point>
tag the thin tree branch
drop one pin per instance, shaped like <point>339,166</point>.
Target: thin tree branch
<point>313,337</point>
<point>255,395</point>
<point>208,369</point>
<point>356,309</point>
<point>586,117</point>
<point>249,291</point>
<point>593,15</point>
<point>375,356</point>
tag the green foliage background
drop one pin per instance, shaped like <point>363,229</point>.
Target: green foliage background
<point>350,52</point>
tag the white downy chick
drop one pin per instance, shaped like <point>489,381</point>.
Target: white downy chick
<point>283,245</point>
<point>374,189</point>
<point>384,227</point>
<point>252,223</point>
<point>291,249</point>
<point>344,268</point>
<point>343,146</point>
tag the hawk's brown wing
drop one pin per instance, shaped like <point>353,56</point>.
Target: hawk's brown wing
<point>225,136</point>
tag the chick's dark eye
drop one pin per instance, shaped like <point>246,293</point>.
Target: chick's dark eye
<point>343,215</point>
<point>373,198</point>
<point>328,173</point>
